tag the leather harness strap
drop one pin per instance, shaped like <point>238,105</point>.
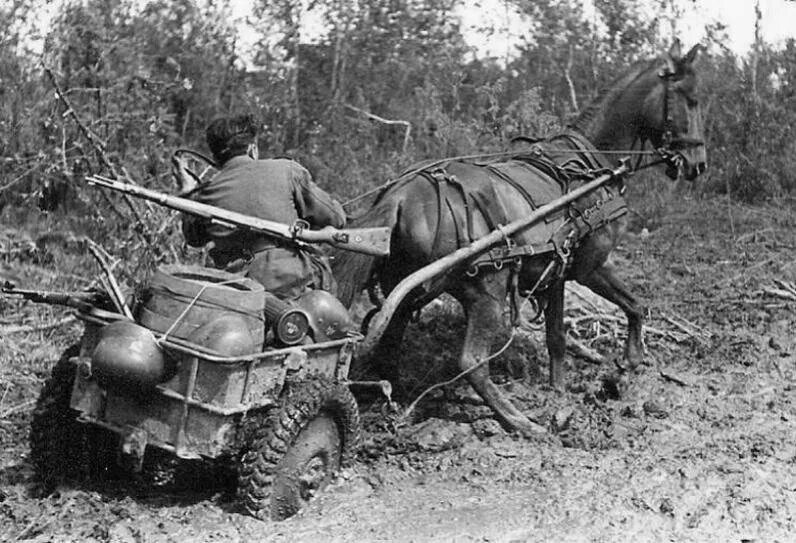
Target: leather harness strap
<point>579,223</point>
<point>564,240</point>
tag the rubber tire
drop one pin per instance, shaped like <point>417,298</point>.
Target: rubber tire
<point>318,421</point>
<point>61,448</point>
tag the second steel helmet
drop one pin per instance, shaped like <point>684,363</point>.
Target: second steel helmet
<point>329,319</point>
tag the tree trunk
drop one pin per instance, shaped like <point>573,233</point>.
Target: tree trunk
<point>573,97</point>
<point>755,57</point>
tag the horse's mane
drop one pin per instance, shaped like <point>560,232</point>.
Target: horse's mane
<point>610,91</point>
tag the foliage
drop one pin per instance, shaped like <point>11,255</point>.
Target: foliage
<point>381,85</point>
<point>750,124</point>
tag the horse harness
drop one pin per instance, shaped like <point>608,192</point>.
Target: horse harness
<point>577,224</point>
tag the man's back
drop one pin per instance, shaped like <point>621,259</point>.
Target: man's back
<point>278,190</point>
<point>275,189</point>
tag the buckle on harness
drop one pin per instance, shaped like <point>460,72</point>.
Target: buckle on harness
<point>510,243</point>
<point>565,249</point>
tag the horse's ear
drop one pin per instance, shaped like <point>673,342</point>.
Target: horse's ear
<point>675,51</point>
<point>691,55</point>
<point>672,58</point>
<point>670,68</point>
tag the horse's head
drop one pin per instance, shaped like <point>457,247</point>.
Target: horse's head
<point>672,118</point>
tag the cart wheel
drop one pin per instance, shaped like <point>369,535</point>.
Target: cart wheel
<point>296,452</point>
<point>61,447</point>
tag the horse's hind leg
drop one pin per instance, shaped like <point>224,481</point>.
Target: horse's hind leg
<point>604,282</point>
<point>484,318</point>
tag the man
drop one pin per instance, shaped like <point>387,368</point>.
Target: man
<point>275,189</point>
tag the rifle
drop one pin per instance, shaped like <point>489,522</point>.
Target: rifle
<point>82,301</point>
<point>370,241</point>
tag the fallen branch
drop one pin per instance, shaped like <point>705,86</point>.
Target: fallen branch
<point>753,235</point>
<point>746,273</point>
<point>612,318</point>
<point>688,328</point>
<point>18,407</point>
<point>779,293</point>
<point>674,378</point>
<point>573,289</point>
<point>786,285</point>
<point>582,351</point>
<point>36,328</point>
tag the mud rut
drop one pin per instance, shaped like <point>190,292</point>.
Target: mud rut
<point>700,446</point>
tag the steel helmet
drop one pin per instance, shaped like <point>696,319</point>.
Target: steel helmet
<point>128,355</point>
<point>329,319</point>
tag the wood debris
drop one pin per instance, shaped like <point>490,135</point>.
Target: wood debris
<point>4,331</point>
<point>783,289</point>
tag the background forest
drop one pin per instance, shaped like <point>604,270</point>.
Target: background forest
<point>387,83</point>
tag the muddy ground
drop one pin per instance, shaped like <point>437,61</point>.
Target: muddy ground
<point>701,446</point>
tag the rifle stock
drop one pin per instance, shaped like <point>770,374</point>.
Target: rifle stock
<point>361,240</point>
<point>83,301</point>
<point>371,241</point>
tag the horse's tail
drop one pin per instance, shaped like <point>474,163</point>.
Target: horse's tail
<point>356,271</point>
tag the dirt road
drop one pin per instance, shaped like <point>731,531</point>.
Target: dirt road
<point>701,446</point>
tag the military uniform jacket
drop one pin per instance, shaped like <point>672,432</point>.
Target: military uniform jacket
<point>278,190</point>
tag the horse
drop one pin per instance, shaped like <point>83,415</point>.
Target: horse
<point>434,210</point>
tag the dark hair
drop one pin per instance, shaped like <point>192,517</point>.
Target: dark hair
<point>230,136</point>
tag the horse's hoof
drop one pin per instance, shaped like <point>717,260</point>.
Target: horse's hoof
<point>557,383</point>
<point>627,364</point>
<point>633,358</point>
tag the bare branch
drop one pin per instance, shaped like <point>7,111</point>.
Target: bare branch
<point>110,281</point>
<point>573,97</point>
<point>20,177</point>
<point>99,147</point>
<point>406,124</point>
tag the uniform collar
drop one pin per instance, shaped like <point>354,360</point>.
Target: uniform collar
<point>236,161</point>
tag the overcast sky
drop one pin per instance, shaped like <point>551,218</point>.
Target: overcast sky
<point>779,21</point>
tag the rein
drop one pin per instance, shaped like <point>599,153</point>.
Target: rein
<point>497,154</point>
<point>666,152</point>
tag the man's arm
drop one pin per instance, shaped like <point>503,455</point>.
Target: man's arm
<point>186,180</point>
<point>313,204</point>
<point>193,228</point>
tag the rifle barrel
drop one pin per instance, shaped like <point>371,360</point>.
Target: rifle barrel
<point>372,241</point>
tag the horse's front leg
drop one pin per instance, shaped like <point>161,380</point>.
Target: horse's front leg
<point>388,350</point>
<point>604,282</point>
<point>555,336</point>
<point>484,311</point>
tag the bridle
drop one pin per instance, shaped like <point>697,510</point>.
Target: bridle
<point>671,145</point>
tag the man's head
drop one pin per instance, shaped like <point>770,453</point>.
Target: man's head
<point>228,137</point>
